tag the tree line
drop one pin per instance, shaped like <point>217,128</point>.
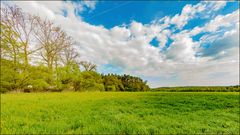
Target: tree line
<point>37,55</point>
<point>235,88</point>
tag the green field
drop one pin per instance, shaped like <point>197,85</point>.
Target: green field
<point>122,113</point>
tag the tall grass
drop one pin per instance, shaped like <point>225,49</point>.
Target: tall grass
<point>120,113</point>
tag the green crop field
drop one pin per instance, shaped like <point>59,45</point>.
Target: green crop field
<point>120,113</point>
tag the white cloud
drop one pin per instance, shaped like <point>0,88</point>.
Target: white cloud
<point>162,37</point>
<point>52,9</point>
<point>182,49</point>
<point>221,46</point>
<point>128,46</point>
<point>191,11</point>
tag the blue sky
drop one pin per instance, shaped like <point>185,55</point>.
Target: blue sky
<point>113,13</point>
<point>168,43</point>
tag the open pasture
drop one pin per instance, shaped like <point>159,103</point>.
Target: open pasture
<point>120,112</point>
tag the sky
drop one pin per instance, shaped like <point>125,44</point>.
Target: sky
<point>167,43</point>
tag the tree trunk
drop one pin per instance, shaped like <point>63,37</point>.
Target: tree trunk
<point>25,55</point>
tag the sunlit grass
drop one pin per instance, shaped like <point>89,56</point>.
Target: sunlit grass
<point>116,112</point>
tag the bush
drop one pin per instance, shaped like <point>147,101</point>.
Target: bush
<point>39,85</point>
<point>110,88</point>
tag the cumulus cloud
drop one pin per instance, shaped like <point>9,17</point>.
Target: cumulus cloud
<point>182,61</point>
<point>191,11</point>
<point>220,48</point>
<point>182,49</point>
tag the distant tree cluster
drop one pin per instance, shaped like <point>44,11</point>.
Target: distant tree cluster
<point>18,78</point>
<point>199,89</point>
<point>37,55</point>
<point>113,82</point>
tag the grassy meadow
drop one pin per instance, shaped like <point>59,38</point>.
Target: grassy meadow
<point>120,112</point>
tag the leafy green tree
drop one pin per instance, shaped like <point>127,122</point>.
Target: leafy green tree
<point>13,76</point>
<point>69,76</point>
<point>91,81</point>
<point>115,82</point>
<point>112,83</point>
<point>10,47</point>
<point>40,78</point>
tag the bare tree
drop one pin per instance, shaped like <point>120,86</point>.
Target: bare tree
<point>69,54</point>
<point>88,66</point>
<point>23,24</point>
<point>52,41</point>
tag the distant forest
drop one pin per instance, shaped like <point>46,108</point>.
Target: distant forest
<point>37,56</point>
<point>199,89</point>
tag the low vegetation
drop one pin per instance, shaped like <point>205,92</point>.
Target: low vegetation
<point>120,113</point>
